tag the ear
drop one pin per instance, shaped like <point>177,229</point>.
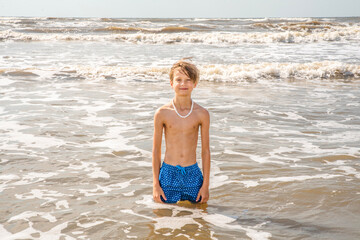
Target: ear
<point>171,83</point>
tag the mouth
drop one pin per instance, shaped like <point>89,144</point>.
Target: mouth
<point>183,89</point>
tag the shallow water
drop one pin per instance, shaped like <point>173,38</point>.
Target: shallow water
<point>76,136</point>
<point>76,161</point>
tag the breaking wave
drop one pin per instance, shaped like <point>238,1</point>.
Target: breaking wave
<point>212,38</point>
<point>213,72</point>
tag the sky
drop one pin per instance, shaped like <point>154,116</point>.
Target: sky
<point>180,8</point>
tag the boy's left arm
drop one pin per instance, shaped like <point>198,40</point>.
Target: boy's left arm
<point>205,157</point>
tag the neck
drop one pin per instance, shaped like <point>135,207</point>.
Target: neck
<point>183,102</point>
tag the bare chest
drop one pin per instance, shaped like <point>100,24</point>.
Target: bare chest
<point>182,125</point>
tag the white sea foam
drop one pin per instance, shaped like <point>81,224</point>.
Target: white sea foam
<point>91,224</point>
<point>250,183</point>
<point>221,73</point>
<point>283,153</point>
<point>5,82</point>
<point>28,233</point>
<point>256,158</point>
<point>105,190</point>
<point>47,195</point>
<point>218,178</point>
<point>337,162</point>
<point>142,163</point>
<point>128,194</point>
<point>254,183</point>
<point>14,134</point>
<point>95,172</point>
<point>348,170</point>
<point>33,177</point>
<point>9,177</point>
<point>99,190</point>
<point>177,222</point>
<point>297,35</point>
<point>98,174</point>
<point>62,204</point>
<point>114,141</point>
<point>298,178</point>
<point>238,129</point>
<point>224,222</point>
<point>28,214</point>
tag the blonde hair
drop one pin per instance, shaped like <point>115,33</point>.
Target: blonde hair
<point>187,68</point>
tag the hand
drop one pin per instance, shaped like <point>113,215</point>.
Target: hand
<point>157,192</point>
<point>204,194</point>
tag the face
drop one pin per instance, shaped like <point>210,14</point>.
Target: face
<point>182,84</point>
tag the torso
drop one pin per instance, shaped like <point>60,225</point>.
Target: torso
<point>181,135</point>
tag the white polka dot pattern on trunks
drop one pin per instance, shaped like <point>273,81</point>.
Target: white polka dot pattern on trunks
<point>180,183</point>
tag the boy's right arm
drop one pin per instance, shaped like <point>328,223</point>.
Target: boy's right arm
<point>156,156</point>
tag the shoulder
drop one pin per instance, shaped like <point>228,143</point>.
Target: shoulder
<point>162,111</point>
<point>202,112</point>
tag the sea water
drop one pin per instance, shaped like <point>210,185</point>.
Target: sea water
<point>77,99</point>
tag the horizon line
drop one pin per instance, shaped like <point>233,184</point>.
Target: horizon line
<point>180,17</point>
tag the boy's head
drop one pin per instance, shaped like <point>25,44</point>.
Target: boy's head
<point>187,68</point>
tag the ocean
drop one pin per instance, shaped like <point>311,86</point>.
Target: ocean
<point>77,99</point>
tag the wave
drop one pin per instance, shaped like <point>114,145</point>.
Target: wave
<point>112,20</point>
<point>301,71</point>
<point>169,29</point>
<point>212,38</point>
<point>308,26</point>
<point>248,19</point>
<point>53,30</point>
<point>327,70</point>
<point>175,29</point>
<point>122,29</point>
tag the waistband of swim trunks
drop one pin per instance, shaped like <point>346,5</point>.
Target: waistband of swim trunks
<point>187,168</point>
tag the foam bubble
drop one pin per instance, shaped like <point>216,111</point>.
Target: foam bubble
<point>62,204</point>
<point>97,173</point>
<point>250,183</point>
<point>128,194</point>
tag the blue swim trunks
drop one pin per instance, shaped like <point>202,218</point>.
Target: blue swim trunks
<point>180,183</point>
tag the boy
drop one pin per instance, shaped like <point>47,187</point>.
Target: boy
<point>179,177</point>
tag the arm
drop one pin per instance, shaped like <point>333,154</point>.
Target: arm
<point>205,156</point>
<point>156,156</point>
